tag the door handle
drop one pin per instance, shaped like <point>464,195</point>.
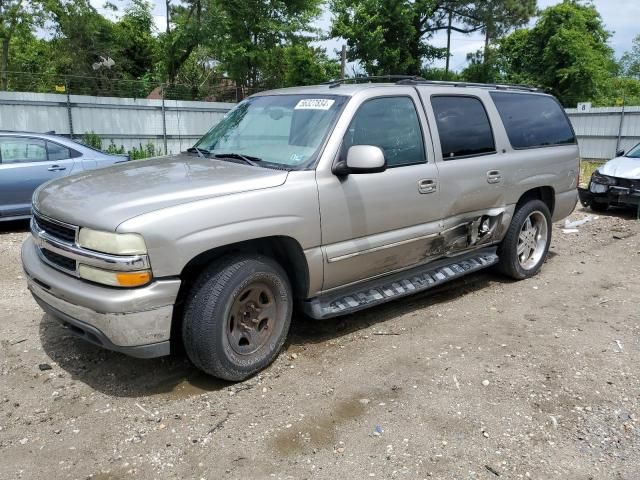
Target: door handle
<point>494,176</point>
<point>56,168</point>
<point>427,185</point>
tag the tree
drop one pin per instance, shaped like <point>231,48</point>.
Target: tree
<point>496,18</point>
<point>300,64</point>
<point>391,36</point>
<point>16,16</point>
<point>245,34</point>
<point>630,62</point>
<point>134,42</point>
<point>566,52</point>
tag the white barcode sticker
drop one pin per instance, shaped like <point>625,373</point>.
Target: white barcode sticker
<point>314,104</point>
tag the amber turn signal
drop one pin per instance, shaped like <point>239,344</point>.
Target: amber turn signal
<point>133,279</point>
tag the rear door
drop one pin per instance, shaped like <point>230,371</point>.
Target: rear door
<point>470,153</point>
<point>25,164</point>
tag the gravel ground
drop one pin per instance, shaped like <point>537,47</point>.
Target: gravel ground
<point>486,378</point>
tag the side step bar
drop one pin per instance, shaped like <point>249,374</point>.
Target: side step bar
<point>398,285</point>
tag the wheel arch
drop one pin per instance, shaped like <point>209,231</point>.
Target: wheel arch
<point>285,250</point>
<point>545,193</point>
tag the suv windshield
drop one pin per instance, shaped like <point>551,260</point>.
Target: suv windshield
<point>285,130</point>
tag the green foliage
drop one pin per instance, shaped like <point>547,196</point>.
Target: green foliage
<point>91,139</point>
<point>618,91</point>
<point>440,74</point>
<point>496,18</point>
<point>630,62</point>
<point>250,34</point>
<point>146,151</point>
<point>566,52</point>
<point>299,64</point>
<point>115,150</point>
<point>388,36</point>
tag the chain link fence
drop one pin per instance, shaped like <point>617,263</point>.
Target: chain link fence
<point>209,89</point>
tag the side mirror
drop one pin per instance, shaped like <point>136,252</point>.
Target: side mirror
<point>620,153</point>
<point>362,159</point>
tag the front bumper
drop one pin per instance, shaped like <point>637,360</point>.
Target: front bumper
<point>134,321</point>
<point>610,195</point>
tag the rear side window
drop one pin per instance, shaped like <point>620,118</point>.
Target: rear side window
<point>57,152</point>
<point>533,121</point>
<point>392,124</point>
<point>463,126</point>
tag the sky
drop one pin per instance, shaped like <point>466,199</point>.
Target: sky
<point>620,17</point>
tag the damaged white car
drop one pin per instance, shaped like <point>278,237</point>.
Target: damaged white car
<point>616,183</point>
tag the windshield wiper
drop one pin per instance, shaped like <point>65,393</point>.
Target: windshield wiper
<point>245,158</point>
<point>199,151</point>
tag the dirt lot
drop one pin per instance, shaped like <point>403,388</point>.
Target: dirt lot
<point>487,378</point>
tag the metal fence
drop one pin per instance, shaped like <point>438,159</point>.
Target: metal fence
<point>122,124</point>
<point>603,131</point>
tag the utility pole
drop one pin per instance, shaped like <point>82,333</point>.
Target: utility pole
<point>446,68</point>
<point>343,61</point>
<point>167,3</point>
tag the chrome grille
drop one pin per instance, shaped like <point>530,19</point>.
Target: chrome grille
<point>61,261</point>
<point>59,230</point>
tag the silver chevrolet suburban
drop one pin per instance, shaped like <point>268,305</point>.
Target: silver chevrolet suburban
<point>331,198</point>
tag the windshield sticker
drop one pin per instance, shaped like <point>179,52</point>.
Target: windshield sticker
<point>314,104</point>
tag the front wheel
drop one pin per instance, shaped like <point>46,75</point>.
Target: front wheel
<point>525,246</point>
<point>238,316</point>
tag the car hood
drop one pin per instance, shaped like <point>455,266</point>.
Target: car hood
<point>106,197</point>
<point>622,167</point>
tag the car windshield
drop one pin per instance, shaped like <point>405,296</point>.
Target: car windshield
<point>284,130</point>
<point>634,152</point>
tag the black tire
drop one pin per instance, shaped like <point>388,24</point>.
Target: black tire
<point>599,207</point>
<point>510,262</point>
<point>210,329</point>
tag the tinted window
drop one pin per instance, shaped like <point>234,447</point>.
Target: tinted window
<point>22,150</point>
<point>57,152</point>
<point>391,124</point>
<point>533,120</point>
<point>463,126</point>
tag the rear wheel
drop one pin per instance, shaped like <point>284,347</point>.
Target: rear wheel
<point>238,316</point>
<point>525,246</point>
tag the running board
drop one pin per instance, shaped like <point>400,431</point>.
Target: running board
<point>398,285</point>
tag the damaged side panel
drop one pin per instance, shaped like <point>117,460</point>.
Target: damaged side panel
<point>455,236</point>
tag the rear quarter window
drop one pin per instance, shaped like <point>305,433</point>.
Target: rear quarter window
<point>533,121</point>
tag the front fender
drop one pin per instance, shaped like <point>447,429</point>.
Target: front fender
<point>177,234</point>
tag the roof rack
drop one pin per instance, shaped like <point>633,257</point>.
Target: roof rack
<point>395,78</point>
<point>417,80</point>
<point>445,83</point>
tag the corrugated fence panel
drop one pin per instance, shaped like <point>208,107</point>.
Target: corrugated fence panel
<point>126,122</point>
<point>603,131</point>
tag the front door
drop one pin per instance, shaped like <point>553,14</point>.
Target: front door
<point>25,165</point>
<point>374,224</point>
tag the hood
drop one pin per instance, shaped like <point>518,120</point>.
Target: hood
<point>622,167</point>
<point>105,198</point>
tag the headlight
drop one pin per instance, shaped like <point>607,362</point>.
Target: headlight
<point>597,177</point>
<point>114,279</point>
<point>114,243</point>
